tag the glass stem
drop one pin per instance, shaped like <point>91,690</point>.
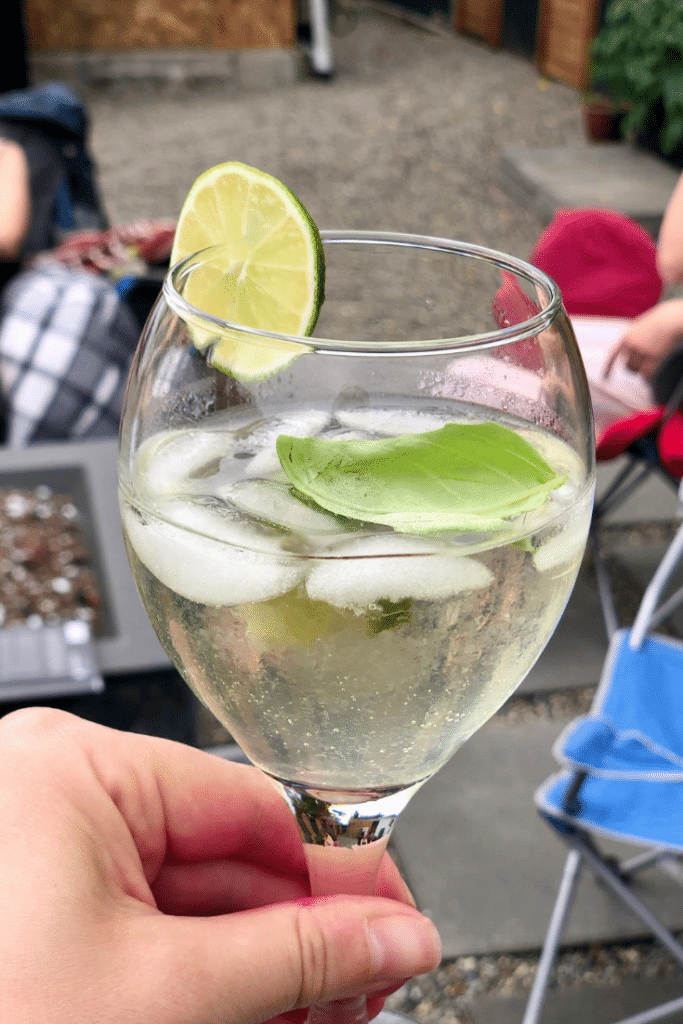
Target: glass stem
<point>335,870</point>
<point>345,834</point>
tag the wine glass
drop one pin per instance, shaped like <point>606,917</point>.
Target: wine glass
<point>350,653</point>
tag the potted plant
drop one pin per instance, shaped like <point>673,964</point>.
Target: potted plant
<point>602,116</point>
<point>637,57</point>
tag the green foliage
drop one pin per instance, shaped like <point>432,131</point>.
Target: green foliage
<point>637,57</point>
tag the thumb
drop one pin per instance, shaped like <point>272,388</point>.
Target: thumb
<point>248,967</point>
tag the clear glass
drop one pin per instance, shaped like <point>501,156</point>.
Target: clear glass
<point>348,660</point>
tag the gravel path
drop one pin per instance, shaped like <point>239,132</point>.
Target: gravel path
<point>407,136</point>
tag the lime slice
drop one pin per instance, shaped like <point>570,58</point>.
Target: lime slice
<point>269,275</point>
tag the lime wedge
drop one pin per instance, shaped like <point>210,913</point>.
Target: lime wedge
<point>269,275</point>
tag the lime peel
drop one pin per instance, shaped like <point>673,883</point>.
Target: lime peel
<point>267,275</point>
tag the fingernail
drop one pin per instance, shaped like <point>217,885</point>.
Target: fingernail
<point>404,945</point>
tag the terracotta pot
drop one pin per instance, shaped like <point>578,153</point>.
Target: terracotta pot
<point>602,120</point>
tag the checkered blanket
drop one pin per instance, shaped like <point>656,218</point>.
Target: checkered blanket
<point>66,342</point>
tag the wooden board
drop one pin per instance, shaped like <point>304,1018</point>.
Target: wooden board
<point>566,29</point>
<point>481,18</point>
<point>106,25</point>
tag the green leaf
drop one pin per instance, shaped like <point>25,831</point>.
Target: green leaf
<point>672,94</point>
<point>635,119</point>
<point>465,476</point>
<point>390,615</point>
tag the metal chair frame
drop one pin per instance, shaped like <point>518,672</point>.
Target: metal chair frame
<point>584,851</point>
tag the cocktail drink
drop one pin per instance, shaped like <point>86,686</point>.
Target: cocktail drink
<point>342,656</point>
<point>354,546</point>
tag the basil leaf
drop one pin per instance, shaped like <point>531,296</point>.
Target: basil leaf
<point>390,615</point>
<point>465,476</point>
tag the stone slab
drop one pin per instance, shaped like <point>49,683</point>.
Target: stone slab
<point>236,70</point>
<point>618,177</point>
<point>587,1005</point>
<point>485,867</point>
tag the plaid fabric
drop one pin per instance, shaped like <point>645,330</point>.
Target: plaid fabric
<point>66,342</point>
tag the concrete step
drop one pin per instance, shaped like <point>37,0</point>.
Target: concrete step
<point>587,1005</point>
<point>617,176</point>
<point>486,868</point>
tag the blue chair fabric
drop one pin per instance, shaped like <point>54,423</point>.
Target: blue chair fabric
<point>621,777</point>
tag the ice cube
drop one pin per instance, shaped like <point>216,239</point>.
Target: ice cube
<point>391,567</point>
<point>563,547</point>
<point>264,464</point>
<point>391,422</point>
<point>206,569</point>
<point>301,423</point>
<point>274,503</point>
<point>167,461</point>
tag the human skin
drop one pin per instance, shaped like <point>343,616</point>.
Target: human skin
<point>650,338</point>
<point>670,241</point>
<point>146,882</point>
<point>656,333</point>
<point>15,199</point>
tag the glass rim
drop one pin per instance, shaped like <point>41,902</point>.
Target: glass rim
<point>465,343</point>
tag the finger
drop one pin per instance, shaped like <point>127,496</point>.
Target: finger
<point>612,356</point>
<point>222,887</point>
<point>226,886</point>
<point>318,951</point>
<point>217,808</point>
<point>648,369</point>
<point>634,361</point>
<point>207,808</point>
<point>390,884</point>
<point>177,802</point>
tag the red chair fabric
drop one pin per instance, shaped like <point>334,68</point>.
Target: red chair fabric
<point>604,263</point>
<point>606,266</point>
<point>670,445</point>
<point>618,437</point>
<point>512,306</point>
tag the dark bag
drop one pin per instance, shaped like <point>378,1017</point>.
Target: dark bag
<point>51,125</point>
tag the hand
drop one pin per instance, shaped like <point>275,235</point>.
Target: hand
<point>670,240</point>
<point>146,882</point>
<point>650,339</point>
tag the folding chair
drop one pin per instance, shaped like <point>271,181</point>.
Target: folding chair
<point>622,777</point>
<point>605,265</point>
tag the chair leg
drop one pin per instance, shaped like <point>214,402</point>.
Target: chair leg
<point>628,480</point>
<point>570,877</point>
<point>609,611</point>
<point>627,868</point>
<point>637,907</point>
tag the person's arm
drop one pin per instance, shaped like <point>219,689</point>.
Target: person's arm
<point>148,882</point>
<point>650,339</point>
<point>670,241</point>
<point>15,199</point>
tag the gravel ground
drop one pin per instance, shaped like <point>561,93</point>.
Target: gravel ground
<point>407,136</point>
<point>444,996</point>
